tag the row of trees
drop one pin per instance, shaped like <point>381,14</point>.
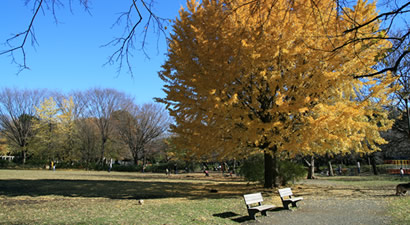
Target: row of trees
<point>85,126</point>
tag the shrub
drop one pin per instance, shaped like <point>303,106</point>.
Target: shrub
<point>253,169</point>
<point>5,163</point>
<point>290,171</point>
<point>126,168</point>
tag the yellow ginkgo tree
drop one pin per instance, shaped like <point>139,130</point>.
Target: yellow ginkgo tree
<point>55,129</point>
<point>263,76</point>
<point>46,129</point>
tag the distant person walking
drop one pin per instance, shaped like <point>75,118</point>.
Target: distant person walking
<point>401,172</point>
<point>110,166</point>
<point>358,167</point>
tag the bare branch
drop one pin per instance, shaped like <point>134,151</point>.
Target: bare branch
<point>391,69</point>
<point>123,54</point>
<point>25,35</point>
<point>125,43</point>
<point>385,15</point>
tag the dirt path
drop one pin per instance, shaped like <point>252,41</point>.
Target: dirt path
<point>330,211</point>
<point>337,205</point>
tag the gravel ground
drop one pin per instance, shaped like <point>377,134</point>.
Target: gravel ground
<point>332,205</point>
<point>329,211</point>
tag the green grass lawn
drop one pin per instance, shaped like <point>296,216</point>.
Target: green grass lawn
<point>91,197</point>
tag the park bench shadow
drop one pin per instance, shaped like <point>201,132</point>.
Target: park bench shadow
<point>233,216</point>
<point>348,191</point>
<point>113,189</point>
<point>241,218</point>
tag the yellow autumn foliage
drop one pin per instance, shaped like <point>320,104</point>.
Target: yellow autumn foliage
<point>244,76</point>
<point>55,127</point>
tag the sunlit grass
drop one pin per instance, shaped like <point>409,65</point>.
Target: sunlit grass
<point>367,181</point>
<point>92,197</point>
<point>103,211</point>
<point>89,197</point>
<point>399,208</point>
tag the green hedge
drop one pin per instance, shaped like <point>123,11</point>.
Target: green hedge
<point>253,169</point>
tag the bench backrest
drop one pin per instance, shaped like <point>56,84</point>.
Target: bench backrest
<point>253,198</point>
<point>285,192</point>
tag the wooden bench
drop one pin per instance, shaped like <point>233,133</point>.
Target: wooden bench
<point>287,198</point>
<point>254,204</point>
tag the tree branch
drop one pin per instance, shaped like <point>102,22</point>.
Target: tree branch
<point>25,34</point>
<point>395,12</point>
<point>126,43</point>
<point>392,69</point>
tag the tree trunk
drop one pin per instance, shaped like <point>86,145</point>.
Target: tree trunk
<point>368,160</point>
<point>144,159</point>
<point>330,168</point>
<point>102,151</point>
<point>268,170</point>
<point>408,115</point>
<point>374,165</point>
<point>24,155</point>
<point>275,170</point>
<point>136,160</point>
<point>311,170</point>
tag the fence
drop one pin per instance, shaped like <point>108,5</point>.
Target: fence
<point>7,157</point>
<point>393,166</point>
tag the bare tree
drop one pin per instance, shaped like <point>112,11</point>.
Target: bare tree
<point>17,112</point>
<point>141,126</point>
<point>100,106</point>
<point>138,12</point>
<point>402,96</point>
<point>87,135</point>
<point>394,27</point>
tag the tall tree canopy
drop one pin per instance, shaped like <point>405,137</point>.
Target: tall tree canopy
<point>17,114</point>
<point>246,76</point>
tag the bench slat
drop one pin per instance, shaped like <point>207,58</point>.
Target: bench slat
<point>253,198</point>
<point>287,198</point>
<point>263,207</point>
<point>256,198</point>
<point>285,192</point>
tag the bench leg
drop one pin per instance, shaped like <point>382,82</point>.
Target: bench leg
<point>294,204</point>
<point>286,205</point>
<point>252,214</point>
<point>263,213</point>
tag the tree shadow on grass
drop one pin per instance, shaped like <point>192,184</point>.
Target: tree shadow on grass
<point>118,189</point>
<point>348,191</point>
<point>241,219</point>
<point>233,216</point>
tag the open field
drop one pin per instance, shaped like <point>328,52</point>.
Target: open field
<point>90,197</point>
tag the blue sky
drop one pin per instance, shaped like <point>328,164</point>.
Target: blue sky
<point>69,55</point>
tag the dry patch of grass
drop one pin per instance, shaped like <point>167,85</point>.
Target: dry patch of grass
<point>399,209</point>
<point>90,197</point>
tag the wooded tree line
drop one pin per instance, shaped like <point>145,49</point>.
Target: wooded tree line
<point>82,126</point>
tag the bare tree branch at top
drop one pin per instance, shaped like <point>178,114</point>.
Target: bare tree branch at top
<point>139,12</point>
<point>25,35</point>
<point>125,43</point>
<point>399,10</point>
